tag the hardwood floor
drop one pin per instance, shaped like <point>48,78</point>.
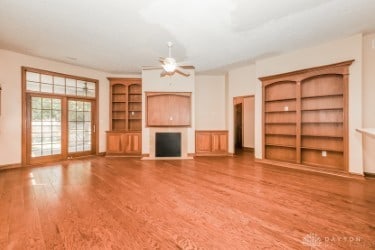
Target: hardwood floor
<point>209,203</point>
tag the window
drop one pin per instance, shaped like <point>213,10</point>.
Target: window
<point>47,83</point>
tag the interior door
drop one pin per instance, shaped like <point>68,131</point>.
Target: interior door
<point>81,127</point>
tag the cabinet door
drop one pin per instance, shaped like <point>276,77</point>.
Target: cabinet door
<point>158,110</point>
<point>132,143</point>
<point>219,142</point>
<point>114,143</point>
<point>179,110</point>
<point>203,142</point>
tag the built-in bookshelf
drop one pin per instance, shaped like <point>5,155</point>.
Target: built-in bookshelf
<point>305,117</point>
<point>125,116</point>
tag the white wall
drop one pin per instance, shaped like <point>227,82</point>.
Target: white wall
<point>11,113</point>
<point>210,103</point>
<point>241,82</point>
<point>248,121</point>
<point>368,101</point>
<point>152,82</point>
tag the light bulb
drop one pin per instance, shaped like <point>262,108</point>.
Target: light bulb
<point>169,67</point>
<point>169,64</point>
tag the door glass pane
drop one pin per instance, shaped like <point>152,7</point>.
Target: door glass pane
<point>79,126</point>
<point>45,126</point>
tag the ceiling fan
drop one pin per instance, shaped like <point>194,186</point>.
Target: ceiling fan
<point>169,65</point>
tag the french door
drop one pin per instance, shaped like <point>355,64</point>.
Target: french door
<point>58,128</point>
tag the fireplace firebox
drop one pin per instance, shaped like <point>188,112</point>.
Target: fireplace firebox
<point>167,144</point>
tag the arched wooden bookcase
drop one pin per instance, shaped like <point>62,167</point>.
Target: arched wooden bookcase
<point>305,117</point>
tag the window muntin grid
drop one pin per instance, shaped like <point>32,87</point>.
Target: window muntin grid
<point>51,84</point>
<point>45,126</point>
<point>79,126</point>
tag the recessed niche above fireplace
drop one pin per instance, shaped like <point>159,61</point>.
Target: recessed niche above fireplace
<point>168,109</point>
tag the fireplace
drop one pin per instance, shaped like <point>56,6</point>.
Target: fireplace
<point>152,146</point>
<point>167,144</point>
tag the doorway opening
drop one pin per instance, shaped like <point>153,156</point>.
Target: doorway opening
<point>243,110</point>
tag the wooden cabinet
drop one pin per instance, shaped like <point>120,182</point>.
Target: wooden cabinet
<point>124,143</point>
<point>209,142</point>
<point>168,109</point>
<point>305,117</point>
<point>125,116</point>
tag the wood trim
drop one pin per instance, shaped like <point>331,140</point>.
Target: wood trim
<point>346,121</point>
<point>220,130</point>
<point>306,168</point>
<point>24,117</point>
<point>304,71</point>
<point>122,80</point>
<point>263,121</point>
<point>369,175</point>
<point>11,166</point>
<point>64,100</point>
<point>52,73</point>
<point>298,122</point>
<point>247,149</point>
<point>145,155</point>
<point>152,93</point>
<point>191,154</point>
<point>101,154</point>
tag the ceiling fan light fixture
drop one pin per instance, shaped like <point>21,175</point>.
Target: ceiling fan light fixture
<point>169,65</point>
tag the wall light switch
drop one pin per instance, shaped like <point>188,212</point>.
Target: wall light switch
<point>373,44</point>
<point>324,153</point>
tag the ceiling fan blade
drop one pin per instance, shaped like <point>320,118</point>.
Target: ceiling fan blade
<point>187,66</point>
<point>181,71</point>
<point>161,60</point>
<point>163,73</point>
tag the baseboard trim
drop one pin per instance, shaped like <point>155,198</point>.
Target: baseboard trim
<point>369,175</point>
<point>247,149</point>
<point>101,153</point>
<point>10,166</point>
<point>213,154</point>
<point>304,168</point>
<point>191,154</point>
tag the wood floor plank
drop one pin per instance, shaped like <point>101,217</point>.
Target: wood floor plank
<point>206,203</point>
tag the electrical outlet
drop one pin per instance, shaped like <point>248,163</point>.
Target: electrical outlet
<point>324,153</point>
<point>286,108</point>
<point>373,44</point>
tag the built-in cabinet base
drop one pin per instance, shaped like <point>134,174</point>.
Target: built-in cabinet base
<point>211,142</point>
<point>124,143</point>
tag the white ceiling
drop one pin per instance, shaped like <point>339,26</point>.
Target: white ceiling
<point>120,36</point>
